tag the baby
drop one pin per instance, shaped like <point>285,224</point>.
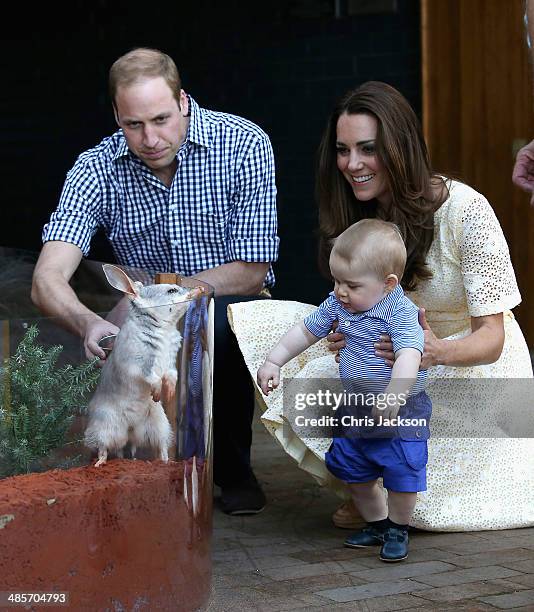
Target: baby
<point>367,263</point>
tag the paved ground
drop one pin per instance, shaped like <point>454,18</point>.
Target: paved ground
<point>290,557</point>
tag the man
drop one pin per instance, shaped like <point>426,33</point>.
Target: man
<point>177,189</point>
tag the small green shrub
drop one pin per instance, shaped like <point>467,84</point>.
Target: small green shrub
<point>39,403</point>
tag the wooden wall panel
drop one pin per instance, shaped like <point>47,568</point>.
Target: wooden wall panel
<point>478,106</point>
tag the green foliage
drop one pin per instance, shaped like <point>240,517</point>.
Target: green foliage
<point>39,403</point>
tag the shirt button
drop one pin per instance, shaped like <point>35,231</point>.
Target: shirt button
<point>346,323</point>
<point>417,434</point>
<point>175,243</point>
<point>173,207</point>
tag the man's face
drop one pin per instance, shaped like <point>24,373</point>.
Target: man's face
<point>153,123</point>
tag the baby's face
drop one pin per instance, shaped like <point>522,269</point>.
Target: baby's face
<point>357,290</point>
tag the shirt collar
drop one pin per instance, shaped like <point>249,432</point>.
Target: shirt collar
<point>383,309</point>
<point>200,131</point>
<point>122,149</point>
<point>200,128</point>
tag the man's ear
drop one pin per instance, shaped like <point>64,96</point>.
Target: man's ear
<point>184,103</point>
<point>391,282</point>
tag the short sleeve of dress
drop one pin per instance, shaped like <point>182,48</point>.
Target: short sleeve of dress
<point>487,272</point>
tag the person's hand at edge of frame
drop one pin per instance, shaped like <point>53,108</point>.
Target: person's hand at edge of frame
<point>523,172</point>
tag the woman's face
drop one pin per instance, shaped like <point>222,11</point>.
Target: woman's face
<point>357,159</point>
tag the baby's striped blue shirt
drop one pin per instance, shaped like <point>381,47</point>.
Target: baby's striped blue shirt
<point>394,315</point>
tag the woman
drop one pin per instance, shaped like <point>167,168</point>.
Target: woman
<point>373,162</point>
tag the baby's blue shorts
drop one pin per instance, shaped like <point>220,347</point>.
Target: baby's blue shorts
<point>401,463</point>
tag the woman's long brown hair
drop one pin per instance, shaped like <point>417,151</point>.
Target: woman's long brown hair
<point>402,150</point>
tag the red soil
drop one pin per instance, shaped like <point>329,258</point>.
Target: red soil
<point>117,537</point>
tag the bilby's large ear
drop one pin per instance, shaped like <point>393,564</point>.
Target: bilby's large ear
<point>121,281</point>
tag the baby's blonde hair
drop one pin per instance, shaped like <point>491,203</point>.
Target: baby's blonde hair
<point>373,245</point>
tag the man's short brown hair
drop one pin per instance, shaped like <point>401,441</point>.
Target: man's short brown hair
<point>143,63</point>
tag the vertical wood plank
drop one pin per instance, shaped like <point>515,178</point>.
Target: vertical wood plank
<point>477,102</point>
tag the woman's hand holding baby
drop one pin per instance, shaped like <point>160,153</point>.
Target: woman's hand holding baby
<point>383,348</point>
<point>434,346</point>
<point>336,340</point>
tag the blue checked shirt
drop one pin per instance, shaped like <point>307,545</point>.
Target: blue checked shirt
<point>221,206</point>
<point>394,315</point>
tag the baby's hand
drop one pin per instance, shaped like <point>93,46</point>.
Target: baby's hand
<point>385,412</point>
<point>268,377</point>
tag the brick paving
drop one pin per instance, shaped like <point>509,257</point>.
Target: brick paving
<point>291,557</point>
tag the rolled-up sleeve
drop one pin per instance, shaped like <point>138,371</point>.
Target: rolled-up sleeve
<point>252,234</point>
<point>77,216</point>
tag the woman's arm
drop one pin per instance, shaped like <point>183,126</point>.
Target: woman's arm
<point>483,345</point>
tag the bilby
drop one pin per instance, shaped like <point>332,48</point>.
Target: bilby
<point>140,371</point>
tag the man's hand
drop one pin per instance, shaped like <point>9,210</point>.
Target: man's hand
<point>268,377</point>
<point>336,340</point>
<point>523,173</point>
<point>96,331</point>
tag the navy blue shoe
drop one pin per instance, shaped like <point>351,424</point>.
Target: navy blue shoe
<point>368,536</point>
<point>395,546</point>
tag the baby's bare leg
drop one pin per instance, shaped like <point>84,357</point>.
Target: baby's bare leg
<point>369,500</point>
<point>401,506</point>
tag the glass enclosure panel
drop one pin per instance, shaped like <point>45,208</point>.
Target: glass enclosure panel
<point>123,534</point>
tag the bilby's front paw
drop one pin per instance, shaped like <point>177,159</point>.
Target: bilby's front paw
<point>156,392</point>
<point>168,389</point>
<point>154,380</point>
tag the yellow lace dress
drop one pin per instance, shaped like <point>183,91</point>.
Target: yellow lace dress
<point>473,483</point>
